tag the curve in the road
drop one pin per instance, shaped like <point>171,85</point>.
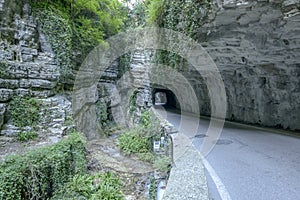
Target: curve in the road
<point>248,163</point>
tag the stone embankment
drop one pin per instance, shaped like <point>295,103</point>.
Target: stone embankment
<point>187,178</point>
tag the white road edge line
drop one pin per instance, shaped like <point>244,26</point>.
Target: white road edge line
<point>224,194</point>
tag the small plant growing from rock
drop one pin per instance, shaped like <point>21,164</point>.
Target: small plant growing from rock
<point>146,119</point>
<point>25,111</point>
<point>69,121</point>
<point>26,136</point>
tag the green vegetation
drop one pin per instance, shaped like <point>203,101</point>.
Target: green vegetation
<point>139,140</point>
<point>94,187</point>
<point>42,172</point>
<point>75,27</point>
<point>170,59</point>
<point>132,102</point>
<point>25,111</point>
<point>124,64</point>
<point>169,13</point>
<point>146,157</point>
<point>26,136</point>
<point>91,20</point>
<point>155,9</point>
<point>134,141</point>
<point>184,16</point>
<point>69,121</point>
<point>152,189</point>
<point>146,119</point>
<point>162,164</point>
<point>4,73</point>
<point>101,112</point>
<point>137,15</point>
<point>150,125</point>
<point>59,34</point>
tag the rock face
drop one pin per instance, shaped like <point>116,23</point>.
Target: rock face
<point>25,68</point>
<point>139,72</point>
<point>28,68</point>
<point>255,45</point>
<point>55,120</point>
<point>2,111</point>
<point>134,90</point>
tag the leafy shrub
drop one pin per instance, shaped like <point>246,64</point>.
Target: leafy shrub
<point>26,135</point>
<point>25,111</point>
<point>132,102</point>
<point>155,9</point>
<point>109,187</point>
<point>147,157</point>
<point>146,119</point>
<point>151,127</point>
<point>137,15</point>
<point>101,112</point>
<point>134,141</point>
<point>184,16</point>
<point>162,164</point>
<point>98,186</point>
<point>69,121</point>
<point>79,25</point>
<point>152,189</point>
<point>41,172</point>
<point>140,140</point>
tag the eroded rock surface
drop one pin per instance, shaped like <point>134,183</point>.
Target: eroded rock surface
<point>55,120</point>
<point>255,45</point>
<point>27,64</point>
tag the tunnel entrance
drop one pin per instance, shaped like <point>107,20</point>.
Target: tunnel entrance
<point>165,97</point>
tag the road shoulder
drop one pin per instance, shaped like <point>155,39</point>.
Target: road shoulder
<point>187,179</point>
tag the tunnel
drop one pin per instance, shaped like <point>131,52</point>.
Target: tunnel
<point>165,97</point>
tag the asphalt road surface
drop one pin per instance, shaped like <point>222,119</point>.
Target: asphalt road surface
<point>248,163</point>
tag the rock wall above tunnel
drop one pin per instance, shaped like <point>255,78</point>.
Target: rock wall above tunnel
<point>256,46</point>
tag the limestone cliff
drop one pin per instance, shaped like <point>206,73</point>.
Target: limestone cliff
<point>255,45</point>
<point>28,67</point>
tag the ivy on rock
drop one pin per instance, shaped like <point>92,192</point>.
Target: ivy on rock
<point>75,27</point>
<point>185,16</point>
<point>42,172</point>
<point>25,111</point>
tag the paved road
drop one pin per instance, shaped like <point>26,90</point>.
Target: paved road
<point>251,164</point>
